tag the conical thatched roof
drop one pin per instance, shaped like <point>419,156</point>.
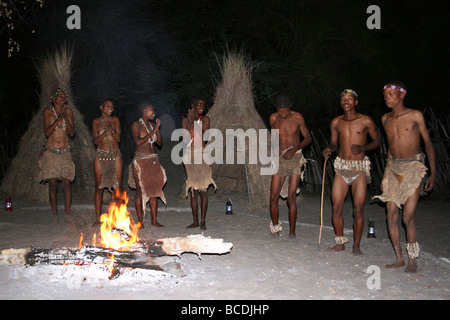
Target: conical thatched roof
<point>234,109</point>
<point>21,179</point>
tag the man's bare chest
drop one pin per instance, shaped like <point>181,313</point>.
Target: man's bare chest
<point>351,128</point>
<point>400,127</point>
<point>287,126</point>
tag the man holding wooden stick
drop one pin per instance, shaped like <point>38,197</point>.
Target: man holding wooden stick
<point>405,173</point>
<point>349,131</point>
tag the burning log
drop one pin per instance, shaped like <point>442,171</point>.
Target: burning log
<point>137,256</point>
<point>120,246</point>
<point>87,255</point>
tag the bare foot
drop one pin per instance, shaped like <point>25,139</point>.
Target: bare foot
<point>292,236</point>
<point>357,251</point>
<point>397,264</point>
<point>194,225</point>
<point>412,266</point>
<point>338,247</point>
<point>69,219</point>
<point>203,225</point>
<point>141,225</point>
<point>275,234</point>
<point>157,224</point>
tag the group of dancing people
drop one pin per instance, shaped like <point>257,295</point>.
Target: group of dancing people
<point>146,174</point>
<point>404,180</point>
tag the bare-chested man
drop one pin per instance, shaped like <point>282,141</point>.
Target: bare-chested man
<point>349,132</point>
<point>56,161</point>
<point>108,160</point>
<point>405,172</point>
<point>198,175</point>
<point>291,126</point>
<point>146,173</point>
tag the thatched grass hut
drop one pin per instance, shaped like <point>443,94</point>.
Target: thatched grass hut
<point>21,179</point>
<point>234,108</point>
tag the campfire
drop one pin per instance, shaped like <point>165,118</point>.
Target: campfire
<point>117,246</point>
<point>118,230</point>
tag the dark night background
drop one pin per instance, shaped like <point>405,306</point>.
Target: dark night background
<point>168,51</point>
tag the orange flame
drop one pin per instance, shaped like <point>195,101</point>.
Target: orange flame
<point>80,244</point>
<point>111,267</point>
<point>118,230</point>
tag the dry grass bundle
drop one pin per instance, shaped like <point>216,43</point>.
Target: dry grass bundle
<point>313,176</point>
<point>21,178</point>
<point>439,128</point>
<point>234,109</point>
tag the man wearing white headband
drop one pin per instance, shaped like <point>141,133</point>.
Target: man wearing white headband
<point>405,173</point>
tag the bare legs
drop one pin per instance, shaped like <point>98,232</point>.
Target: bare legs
<point>275,189</point>
<point>338,195</point>
<point>139,206</point>
<point>194,207</point>
<point>411,231</point>
<point>52,190</point>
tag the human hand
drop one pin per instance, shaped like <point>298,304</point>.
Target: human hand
<point>157,123</point>
<point>429,184</point>
<point>289,154</point>
<point>190,115</point>
<point>356,149</point>
<point>326,152</point>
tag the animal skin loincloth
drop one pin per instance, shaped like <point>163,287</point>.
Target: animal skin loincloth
<point>286,168</point>
<point>198,176</point>
<point>107,162</point>
<point>349,170</point>
<point>401,179</point>
<point>152,177</point>
<point>56,165</point>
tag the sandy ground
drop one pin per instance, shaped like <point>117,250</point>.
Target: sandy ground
<point>258,267</point>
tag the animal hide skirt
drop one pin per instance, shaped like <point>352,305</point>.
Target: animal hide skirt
<point>107,162</point>
<point>198,175</point>
<point>55,165</point>
<point>401,179</point>
<point>294,166</point>
<point>151,177</point>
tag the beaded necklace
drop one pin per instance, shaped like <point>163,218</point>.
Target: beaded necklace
<point>60,126</point>
<point>154,137</point>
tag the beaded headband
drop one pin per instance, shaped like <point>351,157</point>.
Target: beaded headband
<point>350,91</point>
<point>402,90</point>
<point>55,93</point>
